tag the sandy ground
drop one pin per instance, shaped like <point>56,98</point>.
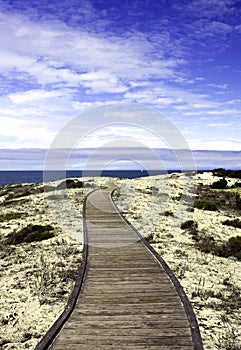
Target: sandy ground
<point>157,206</point>
<point>36,278</point>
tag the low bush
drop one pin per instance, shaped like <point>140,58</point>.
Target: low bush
<point>238,201</point>
<point>191,227</point>
<point>30,233</point>
<point>168,213</point>
<point>206,244</point>
<point>231,248</point>
<point>220,184</point>
<point>38,236</point>
<point>10,216</point>
<point>150,237</point>
<point>24,190</point>
<point>234,223</point>
<point>189,224</point>
<point>70,183</point>
<point>228,173</point>
<point>15,202</point>
<point>205,205</point>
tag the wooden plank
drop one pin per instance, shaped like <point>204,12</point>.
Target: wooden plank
<point>127,323</point>
<point>73,330</point>
<point>121,347</point>
<point>80,339</point>
<point>162,310</point>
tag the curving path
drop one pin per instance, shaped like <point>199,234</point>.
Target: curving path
<point>129,299</point>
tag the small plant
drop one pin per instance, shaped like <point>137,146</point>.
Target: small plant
<point>44,279</point>
<point>150,237</point>
<point>10,216</point>
<point>14,202</point>
<point>238,201</point>
<point>205,205</point>
<point>188,225</point>
<point>181,269</point>
<point>191,227</point>
<point>168,213</point>
<point>206,244</point>
<point>228,340</point>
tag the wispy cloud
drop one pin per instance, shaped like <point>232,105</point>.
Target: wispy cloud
<point>114,159</point>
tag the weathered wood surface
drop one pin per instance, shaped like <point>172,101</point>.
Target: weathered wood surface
<point>127,300</point>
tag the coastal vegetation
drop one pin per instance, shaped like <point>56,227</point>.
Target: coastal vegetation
<point>201,246</point>
<point>38,263</point>
<point>30,233</point>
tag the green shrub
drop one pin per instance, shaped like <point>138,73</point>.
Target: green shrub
<point>24,190</point>
<point>70,183</point>
<point>30,233</point>
<point>220,184</point>
<point>238,201</point>
<point>228,173</point>
<point>221,172</point>
<point>14,202</point>
<point>205,205</point>
<point>188,224</point>
<point>168,213</point>
<point>231,248</point>
<point>150,237</point>
<point>10,216</point>
<point>38,236</point>
<point>206,244</point>
<point>234,223</point>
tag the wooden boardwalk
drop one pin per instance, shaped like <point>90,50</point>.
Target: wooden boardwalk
<point>129,299</point>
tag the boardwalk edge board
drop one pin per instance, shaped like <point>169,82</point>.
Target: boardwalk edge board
<point>196,336</point>
<point>54,330</point>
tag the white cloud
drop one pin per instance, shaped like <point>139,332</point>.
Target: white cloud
<point>25,137</point>
<point>219,86</point>
<point>35,95</point>
<point>225,112</point>
<point>125,135</point>
<point>73,68</point>
<point>215,144</point>
<point>45,50</point>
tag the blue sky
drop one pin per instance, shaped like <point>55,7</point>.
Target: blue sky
<point>59,58</point>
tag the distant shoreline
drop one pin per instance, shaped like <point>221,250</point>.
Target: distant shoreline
<point>14,177</point>
<point>9,177</point>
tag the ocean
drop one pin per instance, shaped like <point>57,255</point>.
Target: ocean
<point>19,177</point>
